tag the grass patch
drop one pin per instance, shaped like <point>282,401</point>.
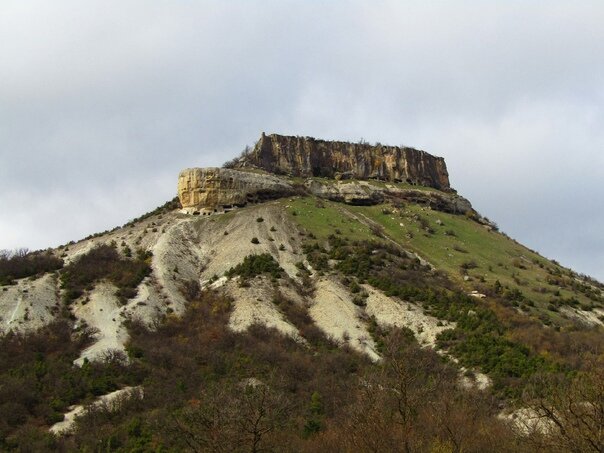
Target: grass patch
<point>496,256</point>
<point>327,219</point>
<point>493,255</point>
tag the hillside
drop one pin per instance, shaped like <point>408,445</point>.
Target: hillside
<point>271,310</point>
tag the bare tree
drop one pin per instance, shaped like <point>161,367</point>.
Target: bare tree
<point>571,411</point>
<point>262,410</point>
<point>240,418</point>
<point>206,424</point>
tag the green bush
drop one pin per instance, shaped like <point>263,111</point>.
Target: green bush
<point>254,265</point>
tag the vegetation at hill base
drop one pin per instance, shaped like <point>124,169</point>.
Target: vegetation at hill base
<point>210,389</point>
<point>38,382</point>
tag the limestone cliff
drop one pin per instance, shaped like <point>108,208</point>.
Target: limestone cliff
<point>306,157</point>
<point>208,190</point>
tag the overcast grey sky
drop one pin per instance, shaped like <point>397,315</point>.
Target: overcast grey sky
<point>103,102</point>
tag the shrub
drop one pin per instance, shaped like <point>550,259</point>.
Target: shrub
<point>254,265</point>
<point>171,205</point>
<point>377,230</point>
<point>359,301</point>
<point>354,287</point>
<point>255,240</point>
<point>470,264</point>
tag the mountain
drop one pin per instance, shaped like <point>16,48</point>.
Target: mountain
<point>312,295</point>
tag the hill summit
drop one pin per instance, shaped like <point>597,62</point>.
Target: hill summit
<point>354,173</point>
<point>308,157</point>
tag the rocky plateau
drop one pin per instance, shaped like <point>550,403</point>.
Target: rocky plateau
<point>307,157</point>
<point>356,174</point>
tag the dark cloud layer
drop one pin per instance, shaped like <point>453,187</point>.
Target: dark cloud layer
<point>103,102</point>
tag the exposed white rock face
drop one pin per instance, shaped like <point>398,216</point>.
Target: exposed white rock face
<point>103,313</point>
<point>112,401</point>
<point>351,192</point>
<point>334,312</point>
<point>253,305</point>
<point>595,317</point>
<point>29,304</point>
<point>389,311</point>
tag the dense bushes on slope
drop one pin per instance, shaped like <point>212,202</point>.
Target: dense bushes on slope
<point>38,381</point>
<point>21,264</point>
<point>104,262</point>
<point>210,389</point>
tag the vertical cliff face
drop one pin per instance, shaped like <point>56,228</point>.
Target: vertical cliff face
<point>306,156</point>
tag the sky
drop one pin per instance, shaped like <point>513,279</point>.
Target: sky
<point>103,102</point>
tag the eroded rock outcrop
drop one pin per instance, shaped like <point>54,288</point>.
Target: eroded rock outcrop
<point>209,190</point>
<point>307,157</point>
<point>366,193</point>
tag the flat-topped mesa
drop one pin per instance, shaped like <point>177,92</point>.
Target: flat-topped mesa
<point>210,190</point>
<point>307,157</point>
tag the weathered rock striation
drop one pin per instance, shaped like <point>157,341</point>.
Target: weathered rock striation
<point>306,157</point>
<point>210,190</point>
<point>365,193</point>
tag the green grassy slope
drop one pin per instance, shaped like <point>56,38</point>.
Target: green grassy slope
<point>472,255</point>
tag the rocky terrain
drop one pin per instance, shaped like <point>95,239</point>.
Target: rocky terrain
<point>306,157</point>
<point>372,193</point>
<point>210,190</point>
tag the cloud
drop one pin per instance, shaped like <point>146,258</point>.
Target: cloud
<point>103,102</point>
